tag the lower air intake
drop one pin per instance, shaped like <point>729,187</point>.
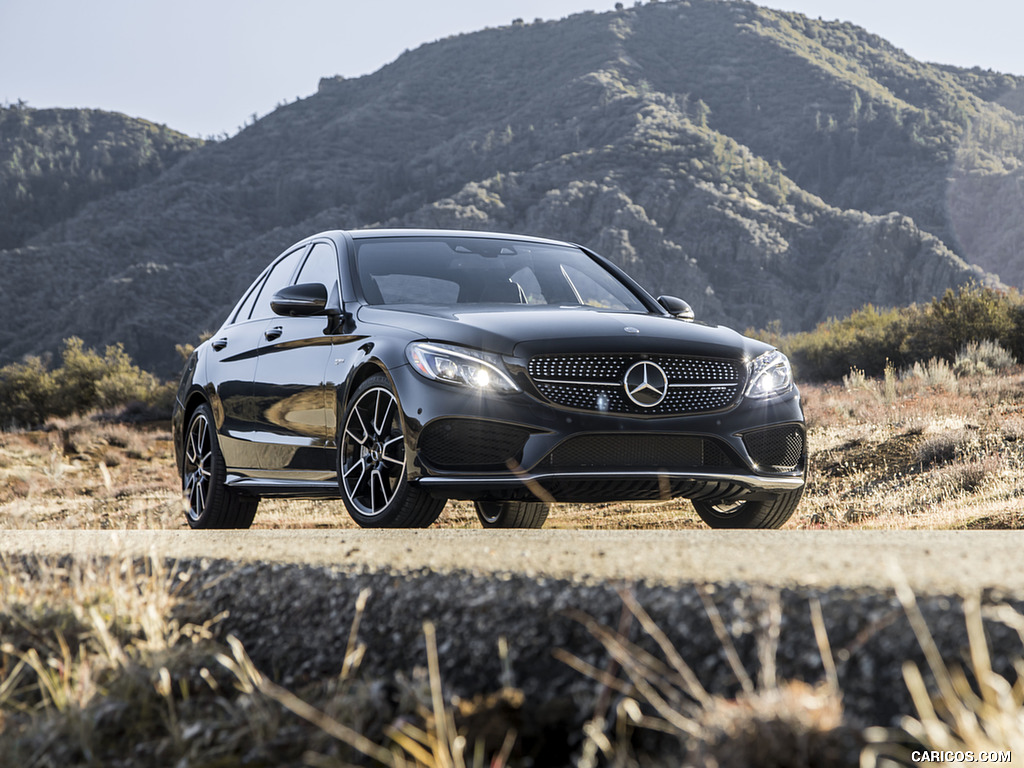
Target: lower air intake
<point>778,449</point>
<point>469,444</point>
<point>632,452</point>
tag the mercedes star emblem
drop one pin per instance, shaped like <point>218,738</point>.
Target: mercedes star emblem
<point>646,384</point>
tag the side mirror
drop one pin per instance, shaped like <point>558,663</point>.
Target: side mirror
<point>302,300</point>
<point>676,307</point>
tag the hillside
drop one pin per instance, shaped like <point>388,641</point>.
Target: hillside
<point>762,165</point>
<point>54,161</point>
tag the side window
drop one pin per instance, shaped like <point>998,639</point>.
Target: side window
<point>279,277</point>
<point>245,309</point>
<point>321,266</point>
<point>529,285</point>
<point>592,293</point>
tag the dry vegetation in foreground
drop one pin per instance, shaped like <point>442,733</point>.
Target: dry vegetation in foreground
<point>97,669</point>
<point>924,448</point>
<point>113,663</point>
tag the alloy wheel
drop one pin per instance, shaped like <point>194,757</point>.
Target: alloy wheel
<point>198,468</point>
<point>373,452</point>
<point>728,507</point>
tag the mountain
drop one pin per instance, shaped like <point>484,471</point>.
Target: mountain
<point>762,165</point>
<point>54,161</point>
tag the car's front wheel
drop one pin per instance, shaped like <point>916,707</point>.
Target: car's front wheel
<point>372,462</point>
<point>512,514</point>
<point>211,504</point>
<point>762,513</point>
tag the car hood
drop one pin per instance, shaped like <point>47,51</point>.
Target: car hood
<point>523,332</point>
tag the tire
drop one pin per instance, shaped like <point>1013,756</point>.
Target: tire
<point>372,462</point>
<point>768,513</point>
<point>512,514</point>
<point>211,504</point>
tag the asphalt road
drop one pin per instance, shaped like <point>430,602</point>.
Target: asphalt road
<point>932,562</point>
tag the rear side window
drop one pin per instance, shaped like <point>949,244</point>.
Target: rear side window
<point>279,277</point>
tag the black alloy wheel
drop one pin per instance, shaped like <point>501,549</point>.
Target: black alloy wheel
<point>372,466</point>
<point>209,503</point>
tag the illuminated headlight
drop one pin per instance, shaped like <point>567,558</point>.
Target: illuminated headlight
<point>770,375</point>
<point>457,365</point>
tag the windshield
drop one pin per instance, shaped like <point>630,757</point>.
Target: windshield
<point>476,270</point>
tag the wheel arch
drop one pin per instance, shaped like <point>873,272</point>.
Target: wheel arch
<point>195,398</point>
<point>366,369</point>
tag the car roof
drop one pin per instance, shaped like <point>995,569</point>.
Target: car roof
<point>365,234</point>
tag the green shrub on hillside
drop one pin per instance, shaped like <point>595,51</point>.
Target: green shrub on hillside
<point>30,392</point>
<point>26,390</point>
<point>871,338</point>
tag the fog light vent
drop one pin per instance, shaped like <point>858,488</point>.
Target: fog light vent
<point>472,444</point>
<point>778,449</point>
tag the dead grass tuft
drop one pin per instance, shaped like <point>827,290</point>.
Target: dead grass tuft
<point>768,722</point>
<point>944,447</point>
<point>972,710</point>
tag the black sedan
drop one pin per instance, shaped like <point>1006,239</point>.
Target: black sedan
<point>397,369</point>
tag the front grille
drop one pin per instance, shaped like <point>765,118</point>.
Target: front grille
<point>628,452</point>
<point>597,383</point>
<point>472,444</point>
<point>778,448</point>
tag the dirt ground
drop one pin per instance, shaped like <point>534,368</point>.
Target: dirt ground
<point>891,455</point>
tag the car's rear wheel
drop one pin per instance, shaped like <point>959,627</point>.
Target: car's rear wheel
<point>764,513</point>
<point>372,462</point>
<point>512,514</point>
<point>211,504</point>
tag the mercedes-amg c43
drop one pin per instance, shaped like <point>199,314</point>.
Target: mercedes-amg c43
<point>396,369</point>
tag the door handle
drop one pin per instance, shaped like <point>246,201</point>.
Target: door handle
<point>273,333</point>
<point>220,343</point>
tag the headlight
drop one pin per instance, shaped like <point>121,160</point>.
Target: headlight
<point>457,365</point>
<point>770,375</point>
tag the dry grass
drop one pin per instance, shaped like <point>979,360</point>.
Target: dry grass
<point>100,666</point>
<point>915,452</point>
<point>96,670</point>
<point>83,473</point>
<point>768,722</point>
<point>958,711</point>
<point>918,450</point>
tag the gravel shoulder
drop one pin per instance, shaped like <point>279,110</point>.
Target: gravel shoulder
<point>938,562</point>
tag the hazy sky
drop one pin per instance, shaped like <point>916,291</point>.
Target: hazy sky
<point>204,66</point>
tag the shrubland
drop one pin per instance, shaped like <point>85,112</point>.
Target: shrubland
<point>31,391</point>
<point>966,323</point>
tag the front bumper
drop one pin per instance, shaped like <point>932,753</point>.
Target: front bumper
<point>469,445</point>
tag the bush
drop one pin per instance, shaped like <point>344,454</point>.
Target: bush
<point>982,358</point>
<point>26,391</point>
<point>935,373</point>
<point>86,381</point>
<point>871,339</point>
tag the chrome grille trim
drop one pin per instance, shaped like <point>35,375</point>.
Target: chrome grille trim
<point>595,383</point>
